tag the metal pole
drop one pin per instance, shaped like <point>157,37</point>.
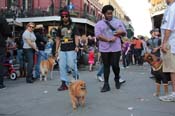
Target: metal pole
<point>14,5</point>
<point>86,29</point>
<point>68,2</point>
<point>14,19</point>
<point>60,7</point>
<point>52,7</point>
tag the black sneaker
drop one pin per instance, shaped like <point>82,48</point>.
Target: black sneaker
<point>34,78</point>
<point>117,83</point>
<point>29,81</point>
<point>152,77</point>
<point>62,88</point>
<point>105,88</point>
<point>2,86</point>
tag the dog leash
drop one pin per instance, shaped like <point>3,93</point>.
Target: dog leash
<point>38,53</point>
<point>76,76</point>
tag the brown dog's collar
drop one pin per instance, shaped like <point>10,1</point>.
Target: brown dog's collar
<point>158,68</point>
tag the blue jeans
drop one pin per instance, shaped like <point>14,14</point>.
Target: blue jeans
<point>125,59</point>
<point>20,58</point>
<point>68,58</point>
<point>100,70</point>
<point>30,63</point>
<point>41,55</point>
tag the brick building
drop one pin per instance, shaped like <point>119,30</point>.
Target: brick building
<point>156,12</point>
<point>84,12</point>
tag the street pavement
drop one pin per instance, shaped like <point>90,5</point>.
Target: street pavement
<point>135,98</point>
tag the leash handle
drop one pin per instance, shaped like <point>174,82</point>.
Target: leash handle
<point>38,53</point>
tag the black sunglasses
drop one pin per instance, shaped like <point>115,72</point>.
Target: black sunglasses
<point>64,16</point>
<point>32,27</point>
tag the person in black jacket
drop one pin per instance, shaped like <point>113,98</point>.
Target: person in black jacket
<point>4,33</point>
<point>40,43</point>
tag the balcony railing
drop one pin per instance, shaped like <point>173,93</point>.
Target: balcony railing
<point>44,12</point>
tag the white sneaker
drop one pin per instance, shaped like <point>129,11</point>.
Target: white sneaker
<point>167,98</point>
<point>122,81</point>
<point>122,67</point>
<point>100,78</point>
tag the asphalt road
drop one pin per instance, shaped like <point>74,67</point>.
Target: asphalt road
<point>135,98</point>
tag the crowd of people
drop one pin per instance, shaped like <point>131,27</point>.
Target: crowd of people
<point>68,46</point>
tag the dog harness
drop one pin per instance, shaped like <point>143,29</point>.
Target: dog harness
<point>155,64</point>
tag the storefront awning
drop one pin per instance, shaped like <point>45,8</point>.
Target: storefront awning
<point>53,18</point>
<point>17,23</point>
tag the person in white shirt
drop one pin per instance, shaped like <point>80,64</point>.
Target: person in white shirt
<point>168,46</point>
<point>29,48</point>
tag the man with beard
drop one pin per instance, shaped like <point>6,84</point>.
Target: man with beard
<point>68,41</point>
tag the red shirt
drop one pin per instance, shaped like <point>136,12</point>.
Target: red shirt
<point>91,56</point>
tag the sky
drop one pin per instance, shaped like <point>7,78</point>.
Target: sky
<point>138,11</point>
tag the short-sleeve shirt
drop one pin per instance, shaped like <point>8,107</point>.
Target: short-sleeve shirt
<point>168,23</point>
<point>28,35</point>
<point>126,46</point>
<point>67,33</point>
<point>154,43</point>
<point>101,28</point>
<point>137,44</point>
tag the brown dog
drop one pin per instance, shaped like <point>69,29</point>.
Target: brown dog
<point>160,76</point>
<point>77,92</point>
<point>46,66</point>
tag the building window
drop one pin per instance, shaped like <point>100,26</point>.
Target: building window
<point>24,4</point>
<point>9,3</point>
<point>30,4</point>
<point>63,3</point>
<point>85,7</point>
<point>94,12</point>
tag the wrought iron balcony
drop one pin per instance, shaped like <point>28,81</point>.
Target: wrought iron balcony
<point>44,12</point>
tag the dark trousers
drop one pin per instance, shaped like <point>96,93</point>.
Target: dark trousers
<point>126,60</point>
<point>111,59</point>
<point>2,71</point>
<point>29,53</point>
<point>138,56</point>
